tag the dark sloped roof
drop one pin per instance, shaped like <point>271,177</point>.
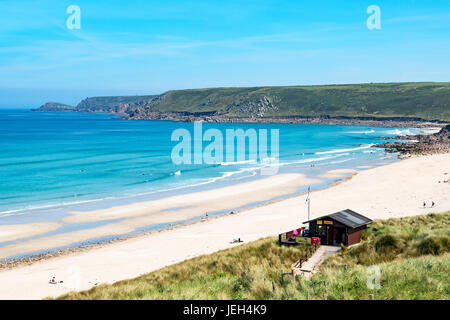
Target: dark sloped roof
<point>347,217</point>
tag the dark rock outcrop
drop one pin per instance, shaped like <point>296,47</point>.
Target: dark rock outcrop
<point>421,144</point>
<point>122,105</point>
<point>257,108</point>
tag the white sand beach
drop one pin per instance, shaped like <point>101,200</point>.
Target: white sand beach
<point>393,190</point>
<point>129,217</point>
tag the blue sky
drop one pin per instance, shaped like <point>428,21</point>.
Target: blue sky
<point>147,47</point>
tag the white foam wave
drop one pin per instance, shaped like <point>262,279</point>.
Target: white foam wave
<point>341,161</point>
<point>400,132</point>
<point>362,132</point>
<point>25,210</point>
<point>236,162</point>
<point>345,150</point>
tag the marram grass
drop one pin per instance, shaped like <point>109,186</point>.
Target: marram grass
<point>412,255</point>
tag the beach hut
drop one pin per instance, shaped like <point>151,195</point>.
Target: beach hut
<point>344,227</point>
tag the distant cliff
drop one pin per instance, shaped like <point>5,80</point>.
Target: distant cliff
<point>385,101</point>
<point>55,106</point>
<point>116,105</point>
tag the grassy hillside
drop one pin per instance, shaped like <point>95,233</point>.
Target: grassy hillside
<point>427,100</point>
<point>413,254</point>
<point>421,100</point>
<point>55,107</point>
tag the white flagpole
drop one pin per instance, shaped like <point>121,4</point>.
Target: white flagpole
<point>309,202</point>
<point>308,199</point>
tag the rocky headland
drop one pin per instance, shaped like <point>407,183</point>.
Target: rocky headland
<point>387,104</point>
<point>420,144</point>
<point>56,107</point>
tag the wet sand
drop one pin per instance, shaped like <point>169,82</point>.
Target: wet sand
<point>393,190</point>
<point>127,218</point>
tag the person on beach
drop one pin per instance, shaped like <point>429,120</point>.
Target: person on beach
<point>424,204</point>
<point>432,204</point>
<point>52,281</point>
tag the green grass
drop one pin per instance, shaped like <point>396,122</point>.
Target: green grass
<point>243,272</point>
<point>412,254</point>
<point>423,277</point>
<point>387,240</point>
<point>425,100</point>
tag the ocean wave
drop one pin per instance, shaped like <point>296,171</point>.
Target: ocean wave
<point>341,161</point>
<point>400,132</point>
<point>362,132</point>
<point>20,211</point>
<point>223,176</point>
<point>231,163</point>
<point>345,150</point>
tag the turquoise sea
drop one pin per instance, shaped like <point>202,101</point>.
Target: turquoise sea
<point>53,162</point>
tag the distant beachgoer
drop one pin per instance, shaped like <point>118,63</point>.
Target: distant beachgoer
<point>52,281</point>
<point>432,204</point>
<point>424,204</point>
<point>206,215</point>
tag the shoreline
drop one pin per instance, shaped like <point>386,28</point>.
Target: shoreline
<point>400,122</point>
<point>428,143</point>
<point>111,231</point>
<point>394,190</point>
<point>341,175</point>
<point>151,215</point>
<point>172,116</point>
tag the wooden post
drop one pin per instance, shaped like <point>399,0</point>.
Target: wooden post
<point>312,285</point>
<point>371,297</point>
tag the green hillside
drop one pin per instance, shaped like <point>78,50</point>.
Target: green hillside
<point>421,100</point>
<point>427,100</point>
<point>55,107</point>
<point>412,254</point>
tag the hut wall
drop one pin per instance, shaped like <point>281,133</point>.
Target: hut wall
<point>355,237</point>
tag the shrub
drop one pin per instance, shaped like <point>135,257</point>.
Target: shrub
<point>386,242</point>
<point>243,282</point>
<point>430,245</point>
